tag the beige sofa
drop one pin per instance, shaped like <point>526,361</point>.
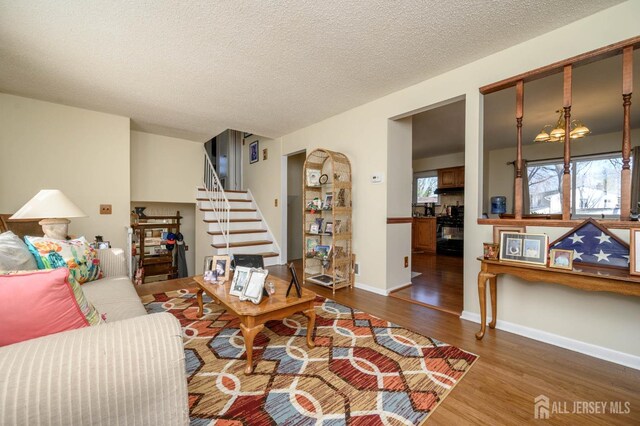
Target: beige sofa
<point>130,371</point>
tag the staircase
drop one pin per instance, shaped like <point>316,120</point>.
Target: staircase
<point>234,221</point>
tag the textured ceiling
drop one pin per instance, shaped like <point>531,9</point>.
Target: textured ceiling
<point>597,101</point>
<point>193,69</point>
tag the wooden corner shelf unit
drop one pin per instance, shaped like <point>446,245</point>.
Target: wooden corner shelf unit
<point>151,253</point>
<point>335,270</point>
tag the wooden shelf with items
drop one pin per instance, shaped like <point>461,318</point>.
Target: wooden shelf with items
<point>151,256</point>
<point>328,257</point>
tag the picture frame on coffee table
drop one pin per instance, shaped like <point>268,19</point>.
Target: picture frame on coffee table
<point>222,265</point>
<point>240,279</point>
<point>254,289</point>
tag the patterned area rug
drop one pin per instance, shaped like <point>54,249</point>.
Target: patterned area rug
<point>363,370</point>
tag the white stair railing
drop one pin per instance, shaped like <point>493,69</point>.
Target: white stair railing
<point>217,198</point>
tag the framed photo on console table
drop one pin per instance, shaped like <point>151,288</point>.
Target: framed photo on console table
<point>634,251</point>
<point>525,248</point>
<point>499,229</point>
<point>562,259</point>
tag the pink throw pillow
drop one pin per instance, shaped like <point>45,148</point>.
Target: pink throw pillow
<point>37,304</point>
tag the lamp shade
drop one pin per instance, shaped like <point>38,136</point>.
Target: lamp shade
<point>49,204</point>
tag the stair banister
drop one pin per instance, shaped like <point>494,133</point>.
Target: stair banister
<point>217,198</point>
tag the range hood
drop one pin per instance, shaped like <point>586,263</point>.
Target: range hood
<point>454,190</point>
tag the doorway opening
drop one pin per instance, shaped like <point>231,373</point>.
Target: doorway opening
<point>225,153</point>
<point>293,165</point>
<point>437,237</point>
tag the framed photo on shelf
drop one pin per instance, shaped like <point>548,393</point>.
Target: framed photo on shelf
<point>499,229</point>
<point>323,250</point>
<point>253,152</point>
<point>525,248</point>
<point>328,228</point>
<point>634,251</point>
<point>253,290</point>
<point>313,177</point>
<point>311,244</point>
<point>222,265</point>
<point>561,259</point>
<point>240,277</point>
<point>327,204</point>
<point>314,228</point>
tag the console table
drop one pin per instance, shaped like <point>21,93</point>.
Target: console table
<point>583,277</point>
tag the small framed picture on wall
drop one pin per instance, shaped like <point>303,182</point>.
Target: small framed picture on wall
<point>253,152</point>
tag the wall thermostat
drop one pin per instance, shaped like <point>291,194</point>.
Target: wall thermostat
<point>377,178</point>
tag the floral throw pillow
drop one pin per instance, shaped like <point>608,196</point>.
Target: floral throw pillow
<point>75,254</point>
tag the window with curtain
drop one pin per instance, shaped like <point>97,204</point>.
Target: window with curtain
<point>595,186</point>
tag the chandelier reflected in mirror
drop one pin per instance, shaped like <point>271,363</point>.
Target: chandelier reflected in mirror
<point>578,130</point>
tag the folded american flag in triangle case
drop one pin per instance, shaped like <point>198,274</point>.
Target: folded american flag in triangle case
<point>593,244</point>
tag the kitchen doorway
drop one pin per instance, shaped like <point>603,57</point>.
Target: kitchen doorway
<point>437,237</point>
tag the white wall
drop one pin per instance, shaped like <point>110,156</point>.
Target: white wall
<point>165,169</point>
<point>400,136</point>
<point>438,162</point>
<point>202,242</point>
<point>361,133</point>
<point>264,180</point>
<point>83,153</point>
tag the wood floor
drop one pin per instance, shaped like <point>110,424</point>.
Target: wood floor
<point>511,371</point>
<point>439,287</point>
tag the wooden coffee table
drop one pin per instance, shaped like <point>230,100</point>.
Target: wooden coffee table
<point>253,317</point>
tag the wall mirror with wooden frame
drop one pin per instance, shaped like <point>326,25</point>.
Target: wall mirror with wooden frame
<point>546,180</point>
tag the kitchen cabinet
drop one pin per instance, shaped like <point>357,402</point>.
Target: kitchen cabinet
<point>423,234</point>
<point>452,177</point>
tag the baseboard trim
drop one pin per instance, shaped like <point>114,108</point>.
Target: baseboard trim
<point>377,290</point>
<point>371,289</point>
<point>398,287</point>
<point>622,358</point>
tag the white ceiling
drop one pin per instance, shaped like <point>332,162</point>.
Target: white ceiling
<point>192,69</point>
<point>597,101</point>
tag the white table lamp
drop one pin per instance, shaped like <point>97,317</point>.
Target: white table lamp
<point>54,208</point>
